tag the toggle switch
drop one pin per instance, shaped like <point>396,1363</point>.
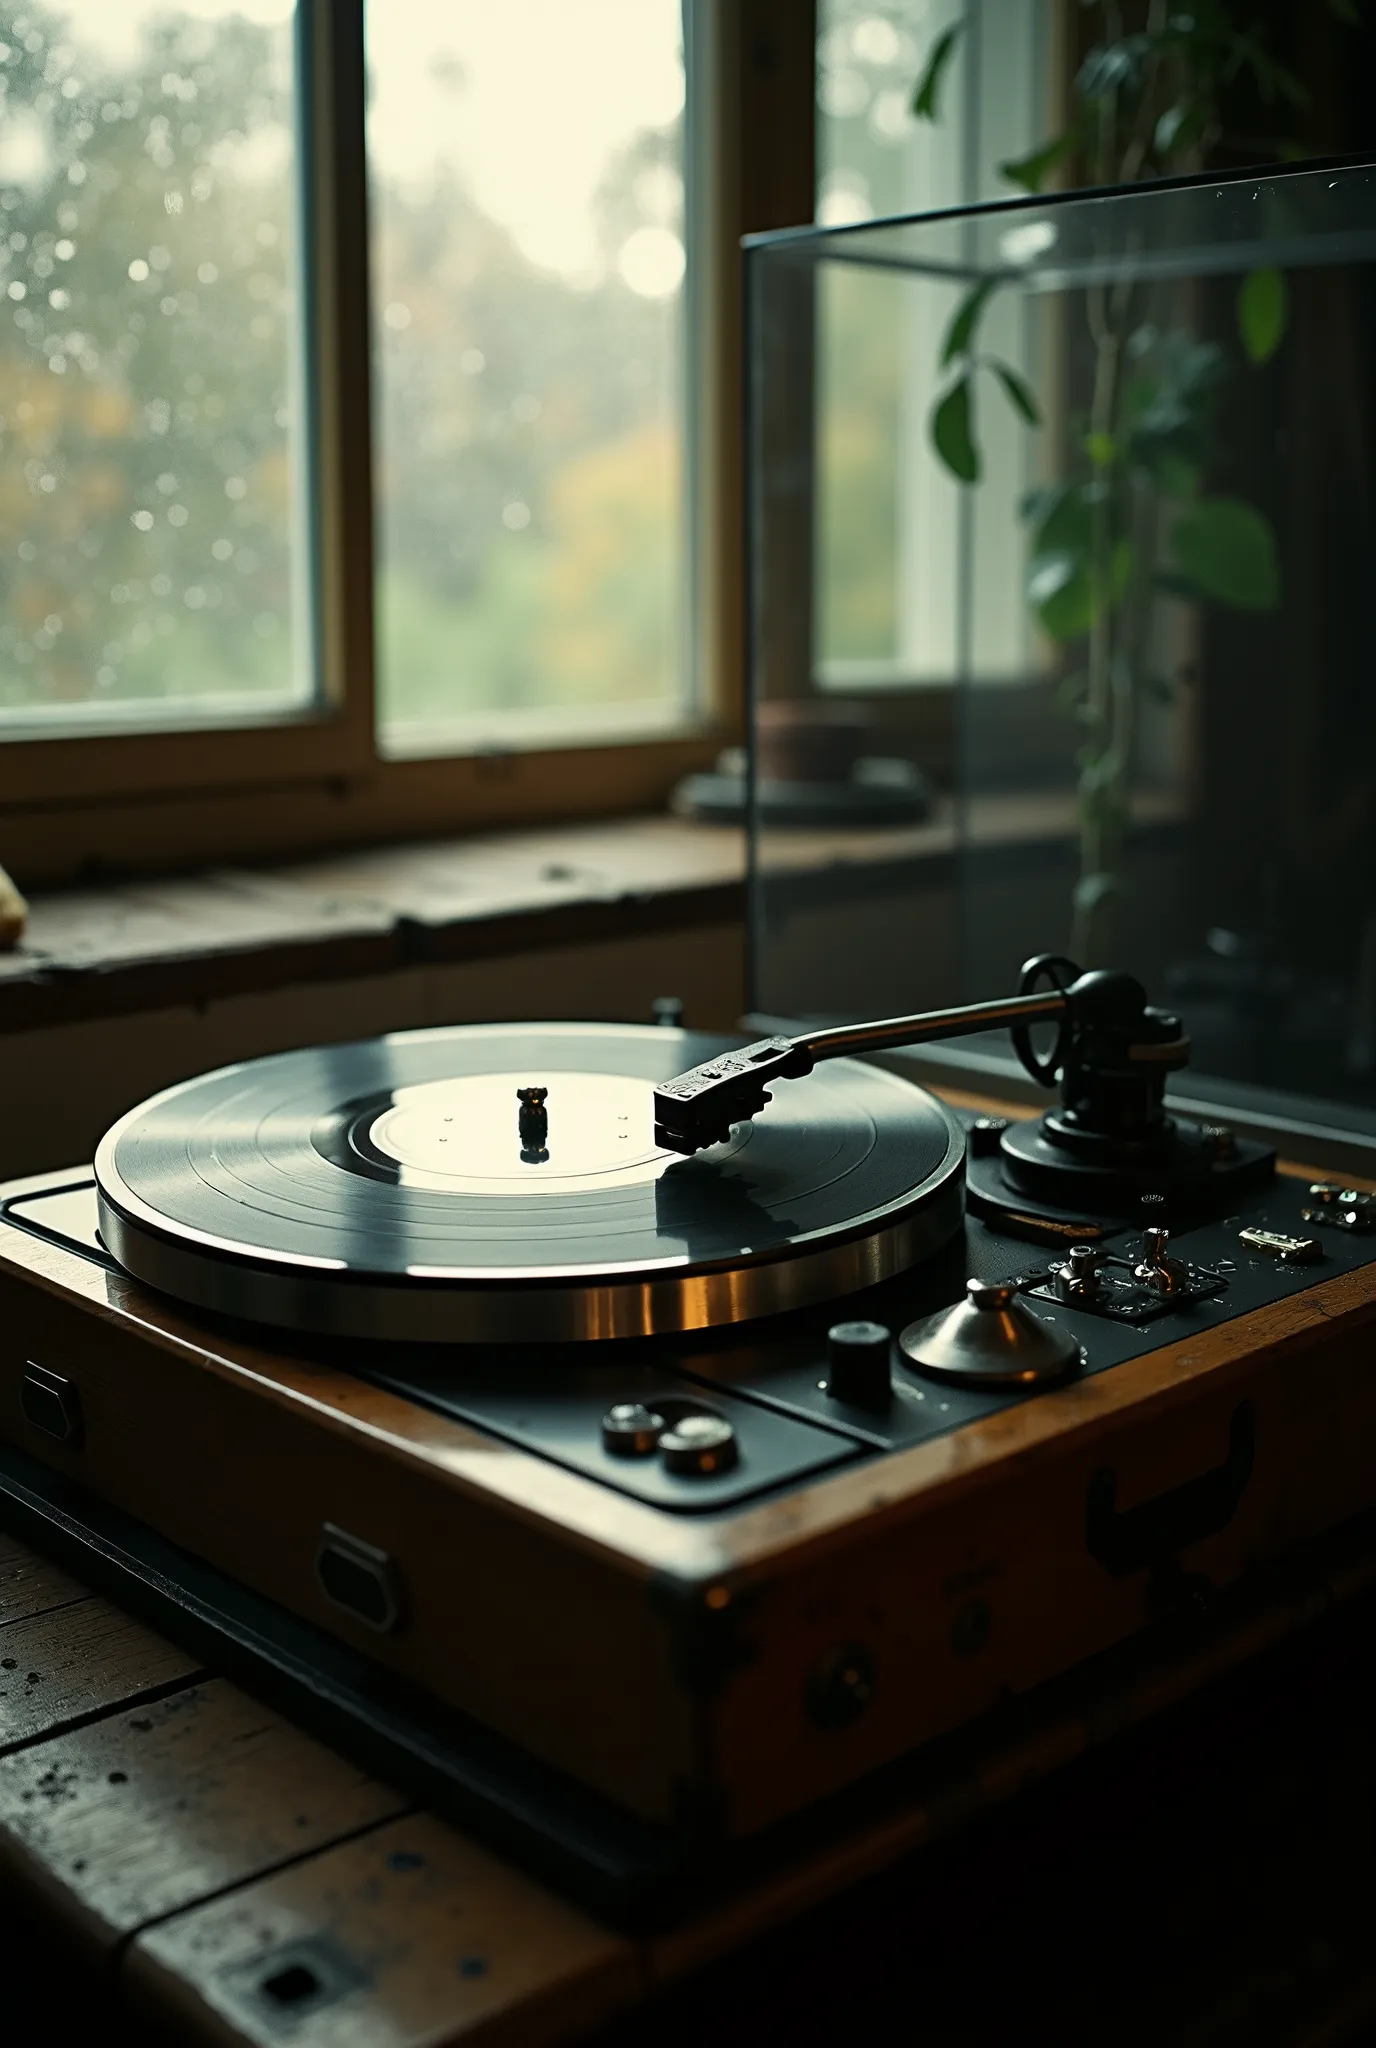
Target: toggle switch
<point>1157,1269</point>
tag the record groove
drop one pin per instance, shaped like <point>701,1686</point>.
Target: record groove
<point>382,1189</point>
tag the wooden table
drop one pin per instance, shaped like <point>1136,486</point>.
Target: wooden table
<point>178,1862</point>
<point>196,1857</point>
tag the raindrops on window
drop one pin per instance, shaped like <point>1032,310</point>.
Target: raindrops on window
<point>146,266</point>
<point>528,269</point>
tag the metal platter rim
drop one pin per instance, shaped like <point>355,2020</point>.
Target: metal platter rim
<point>409,1310</point>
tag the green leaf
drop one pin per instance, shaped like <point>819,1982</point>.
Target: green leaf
<point>1112,67</point>
<point>1119,571</point>
<point>1180,126</point>
<point>1262,308</point>
<point>1168,410</point>
<point>1062,516</point>
<point>1170,583</point>
<point>926,104</point>
<point>1091,890</point>
<point>1101,450</point>
<point>1102,789</point>
<point>1227,550</point>
<point>1066,593</point>
<point>953,433</point>
<point>961,332</point>
<point>1071,690</point>
<point>1031,171</point>
<point>1020,394</point>
<point>1060,592</point>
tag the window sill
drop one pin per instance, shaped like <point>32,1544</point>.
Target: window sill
<point>154,944</point>
<point>146,945</point>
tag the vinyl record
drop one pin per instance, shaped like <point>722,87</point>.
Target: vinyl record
<point>392,1189</point>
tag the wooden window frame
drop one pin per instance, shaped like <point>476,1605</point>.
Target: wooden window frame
<point>143,800</point>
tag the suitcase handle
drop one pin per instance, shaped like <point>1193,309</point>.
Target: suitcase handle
<point>1152,1532</point>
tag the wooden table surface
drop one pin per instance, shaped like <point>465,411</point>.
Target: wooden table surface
<point>207,1863</point>
<point>178,1863</point>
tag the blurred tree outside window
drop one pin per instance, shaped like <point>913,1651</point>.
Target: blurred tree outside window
<point>526,165</point>
<point>148,446</point>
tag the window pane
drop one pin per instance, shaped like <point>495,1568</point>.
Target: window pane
<point>527,195</point>
<point>888,512</point>
<point>148,458</point>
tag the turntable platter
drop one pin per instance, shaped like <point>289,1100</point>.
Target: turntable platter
<point>401,1189</point>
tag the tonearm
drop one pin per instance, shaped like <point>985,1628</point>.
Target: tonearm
<point>1111,1055</point>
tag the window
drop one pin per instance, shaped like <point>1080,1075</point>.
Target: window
<point>889,514</point>
<point>527,192</point>
<point>369,410</point>
<point>150,472</point>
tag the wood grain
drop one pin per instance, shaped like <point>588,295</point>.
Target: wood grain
<point>30,1584</point>
<point>410,1935</point>
<point>145,1812</point>
<point>140,945</point>
<point>74,1661</point>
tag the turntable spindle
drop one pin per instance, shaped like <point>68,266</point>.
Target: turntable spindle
<point>534,1122</point>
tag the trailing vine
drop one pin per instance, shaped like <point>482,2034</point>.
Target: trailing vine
<point>1132,518</point>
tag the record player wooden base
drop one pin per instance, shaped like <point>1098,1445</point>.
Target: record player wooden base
<point>696,1670</point>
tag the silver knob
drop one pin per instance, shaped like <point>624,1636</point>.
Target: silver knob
<point>631,1431</point>
<point>1078,1279</point>
<point>990,1293</point>
<point>991,1339</point>
<point>699,1445</point>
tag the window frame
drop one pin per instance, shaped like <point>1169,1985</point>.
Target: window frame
<point>332,737</point>
<point>142,799</point>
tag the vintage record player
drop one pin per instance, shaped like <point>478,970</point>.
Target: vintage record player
<point>652,1437</point>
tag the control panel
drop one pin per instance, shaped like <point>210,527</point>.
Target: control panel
<point>707,1423</point>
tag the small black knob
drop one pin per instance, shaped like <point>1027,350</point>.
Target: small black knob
<point>860,1356</point>
<point>631,1431</point>
<point>699,1445</point>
